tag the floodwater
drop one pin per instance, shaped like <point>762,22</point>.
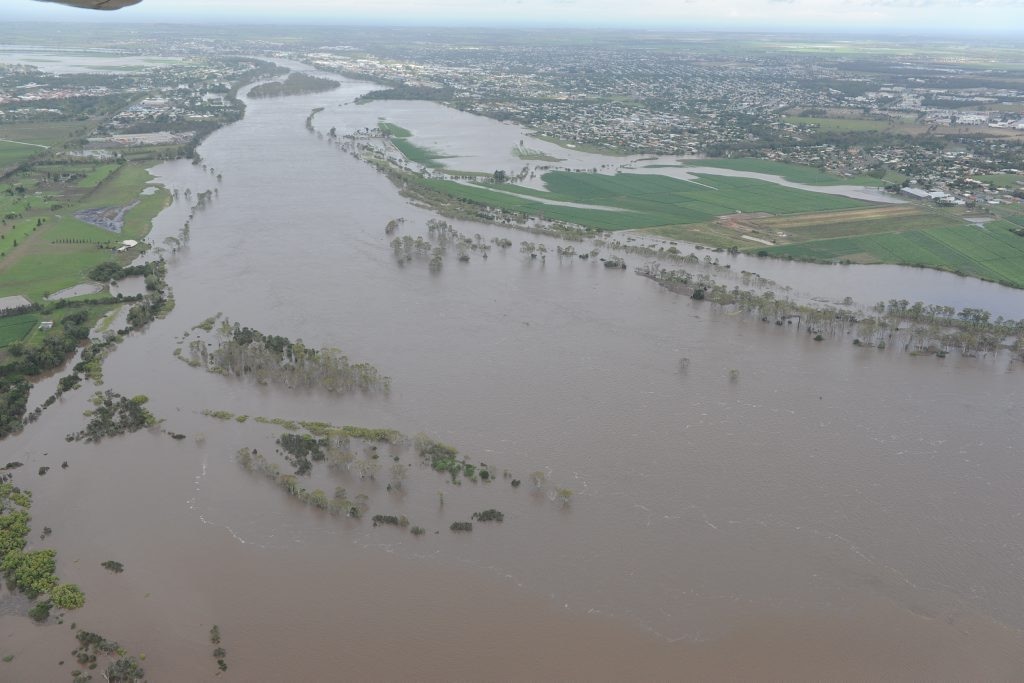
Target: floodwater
<point>475,143</point>
<point>834,512</point>
<point>76,290</point>
<point>76,61</point>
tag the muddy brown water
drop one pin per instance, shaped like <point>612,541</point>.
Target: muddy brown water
<point>835,511</point>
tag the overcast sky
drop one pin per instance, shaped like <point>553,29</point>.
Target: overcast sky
<point>905,16</point>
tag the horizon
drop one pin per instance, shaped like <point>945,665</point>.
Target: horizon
<point>858,17</point>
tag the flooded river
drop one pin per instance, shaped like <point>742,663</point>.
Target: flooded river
<point>831,511</point>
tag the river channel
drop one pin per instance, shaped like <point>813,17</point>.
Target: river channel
<point>823,511</point>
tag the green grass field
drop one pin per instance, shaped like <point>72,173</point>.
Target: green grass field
<point>394,130</point>
<point>12,153</point>
<point>795,173</point>
<point>991,252</point>
<point>840,125</point>
<point>49,134</point>
<point>414,153</point>
<point>643,201</point>
<point>722,211</point>
<point>1002,179</point>
<point>851,223</point>
<point>16,327</point>
<point>97,176</point>
<point>43,262</point>
<point>417,154</point>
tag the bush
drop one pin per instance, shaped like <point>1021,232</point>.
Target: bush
<point>41,611</point>
<point>31,572</point>
<point>461,526</point>
<point>67,596</point>
<point>125,670</point>
<point>491,515</point>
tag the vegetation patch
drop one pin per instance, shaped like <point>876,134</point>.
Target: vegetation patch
<point>295,84</point>
<point>113,566</point>
<point>491,515</point>
<point>273,359</point>
<point>991,252</point>
<point>527,154</point>
<point>114,415</point>
<point>795,173</point>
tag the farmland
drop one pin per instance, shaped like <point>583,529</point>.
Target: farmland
<point>45,249</point>
<point>628,201</point>
<point>394,130</point>
<point>795,173</point>
<point>16,327</point>
<point>831,224</point>
<point>21,141</point>
<point>414,153</point>
<point>990,252</point>
<point>760,217</point>
<point>12,153</point>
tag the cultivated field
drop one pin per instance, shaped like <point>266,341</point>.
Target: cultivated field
<point>627,201</point>
<point>829,224</point>
<point>35,138</point>
<point>761,217</point>
<point>414,153</point>
<point>16,327</point>
<point>794,173</point>
<point>990,252</point>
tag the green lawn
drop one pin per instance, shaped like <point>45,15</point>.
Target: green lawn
<point>12,153</point>
<point>120,188</point>
<point>16,231</point>
<point>97,176</point>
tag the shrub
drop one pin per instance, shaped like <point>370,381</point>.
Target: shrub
<point>491,515</point>
<point>113,566</point>
<point>67,596</point>
<point>41,611</point>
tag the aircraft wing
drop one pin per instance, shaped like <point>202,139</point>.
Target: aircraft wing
<point>96,4</point>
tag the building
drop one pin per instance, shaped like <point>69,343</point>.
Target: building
<point>915,193</point>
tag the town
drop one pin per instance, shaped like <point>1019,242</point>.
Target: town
<point>924,120</point>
